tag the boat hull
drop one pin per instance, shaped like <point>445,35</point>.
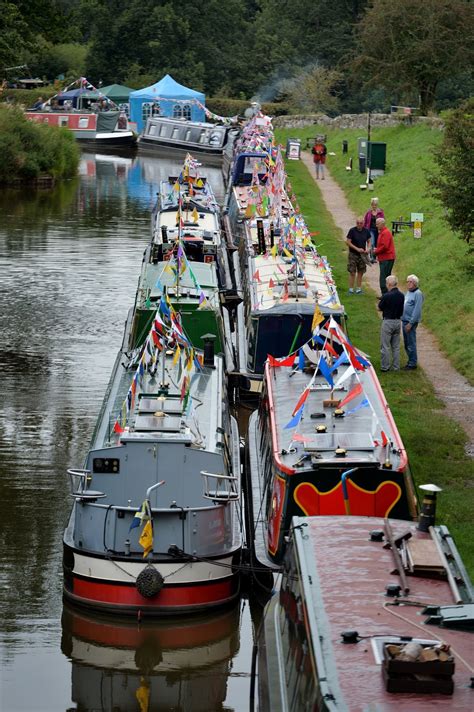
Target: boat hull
<point>109,584</point>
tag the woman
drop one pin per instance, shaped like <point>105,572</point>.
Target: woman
<point>370,220</point>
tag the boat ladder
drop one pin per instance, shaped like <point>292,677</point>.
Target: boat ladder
<point>219,488</point>
<point>79,481</point>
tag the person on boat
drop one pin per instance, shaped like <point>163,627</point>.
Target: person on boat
<point>385,252</point>
<point>319,152</point>
<point>391,306</point>
<point>357,239</point>
<point>370,219</point>
<point>38,105</point>
<point>411,317</point>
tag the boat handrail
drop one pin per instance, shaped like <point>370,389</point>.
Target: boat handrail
<point>219,487</point>
<point>79,481</point>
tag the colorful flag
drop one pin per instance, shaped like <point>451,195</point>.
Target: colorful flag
<point>317,318</point>
<point>146,538</point>
<point>324,369</point>
<point>342,359</point>
<point>363,404</point>
<point>141,515</point>
<point>301,359</point>
<point>294,422</point>
<point>117,427</point>
<point>327,347</point>
<point>356,391</point>
<point>301,401</point>
<point>288,361</point>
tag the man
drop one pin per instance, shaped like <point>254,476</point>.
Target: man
<point>411,317</point>
<point>319,152</point>
<point>385,252</point>
<point>391,306</point>
<point>357,239</point>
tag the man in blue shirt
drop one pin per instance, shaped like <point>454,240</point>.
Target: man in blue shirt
<point>410,319</point>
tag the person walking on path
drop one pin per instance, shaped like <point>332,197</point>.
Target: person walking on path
<point>411,317</point>
<point>370,219</point>
<point>357,239</point>
<point>385,252</point>
<point>391,306</point>
<point>319,152</point>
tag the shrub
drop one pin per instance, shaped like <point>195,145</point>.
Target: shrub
<point>28,150</point>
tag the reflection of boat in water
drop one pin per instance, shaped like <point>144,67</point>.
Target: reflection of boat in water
<point>171,665</point>
<point>349,632</point>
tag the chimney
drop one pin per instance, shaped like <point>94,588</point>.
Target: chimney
<point>209,350</point>
<point>428,507</point>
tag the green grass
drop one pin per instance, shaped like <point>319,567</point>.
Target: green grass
<point>435,443</point>
<point>439,258</point>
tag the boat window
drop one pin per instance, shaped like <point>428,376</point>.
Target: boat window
<point>204,137</point>
<point>147,109</point>
<point>83,122</point>
<point>125,109</point>
<point>63,120</point>
<point>152,131</point>
<point>175,133</point>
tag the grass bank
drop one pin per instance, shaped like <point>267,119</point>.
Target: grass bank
<point>435,444</point>
<point>29,150</point>
<point>439,258</point>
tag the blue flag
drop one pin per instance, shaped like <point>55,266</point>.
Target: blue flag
<point>342,359</point>
<point>324,368</point>
<point>301,359</point>
<point>295,420</point>
<point>164,309</point>
<point>363,404</point>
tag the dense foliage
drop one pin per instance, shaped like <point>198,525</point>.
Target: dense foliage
<point>318,55</point>
<point>453,182</point>
<point>29,150</point>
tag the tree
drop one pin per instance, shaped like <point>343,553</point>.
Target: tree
<point>408,44</point>
<point>453,183</point>
<point>314,90</point>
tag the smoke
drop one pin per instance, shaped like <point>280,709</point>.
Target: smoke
<point>281,81</point>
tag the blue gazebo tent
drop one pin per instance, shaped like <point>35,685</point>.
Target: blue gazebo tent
<point>172,99</point>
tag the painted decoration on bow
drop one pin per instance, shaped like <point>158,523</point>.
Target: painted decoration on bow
<point>363,502</point>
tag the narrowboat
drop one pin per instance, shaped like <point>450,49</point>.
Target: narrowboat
<point>371,614</point>
<point>186,262</point>
<point>118,663</point>
<point>322,442</point>
<point>179,134</point>
<point>108,129</point>
<point>155,526</point>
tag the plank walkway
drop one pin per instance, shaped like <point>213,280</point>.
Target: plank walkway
<point>450,386</point>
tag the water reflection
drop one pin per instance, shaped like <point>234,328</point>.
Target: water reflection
<point>70,260</point>
<point>173,666</point>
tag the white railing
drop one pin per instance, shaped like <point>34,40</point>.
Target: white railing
<point>219,488</point>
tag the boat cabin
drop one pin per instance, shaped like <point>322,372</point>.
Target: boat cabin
<point>368,617</point>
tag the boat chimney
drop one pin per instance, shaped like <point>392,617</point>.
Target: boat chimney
<point>260,237</point>
<point>164,234</point>
<point>272,235</point>
<point>209,340</point>
<point>428,507</point>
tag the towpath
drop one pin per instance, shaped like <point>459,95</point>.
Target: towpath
<point>450,386</point>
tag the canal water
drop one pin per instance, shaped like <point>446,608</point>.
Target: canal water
<point>69,264</point>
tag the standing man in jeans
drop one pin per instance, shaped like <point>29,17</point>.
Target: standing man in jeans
<point>385,253</point>
<point>357,239</point>
<point>411,317</point>
<point>391,306</point>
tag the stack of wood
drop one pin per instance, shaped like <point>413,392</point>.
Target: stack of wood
<point>413,667</point>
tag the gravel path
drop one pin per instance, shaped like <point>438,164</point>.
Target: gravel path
<point>449,385</point>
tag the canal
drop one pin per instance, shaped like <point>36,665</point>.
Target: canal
<point>69,262</point>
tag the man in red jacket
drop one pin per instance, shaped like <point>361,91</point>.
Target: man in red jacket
<point>385,252</point>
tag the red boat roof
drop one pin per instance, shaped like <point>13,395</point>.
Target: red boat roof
<point>344,576</point>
